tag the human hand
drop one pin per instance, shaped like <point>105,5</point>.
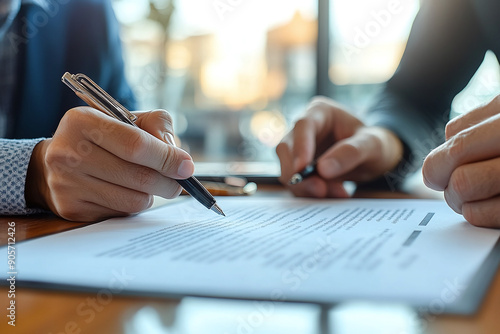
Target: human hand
<point>345,149</point>
<point>96,167</point>
<point>467,165</point>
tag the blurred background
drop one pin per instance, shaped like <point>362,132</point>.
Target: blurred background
<point>236,74</point>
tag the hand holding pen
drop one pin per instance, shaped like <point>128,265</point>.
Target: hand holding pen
<point>96,97</point>
<point>329,146</point>
<point>96,167</point>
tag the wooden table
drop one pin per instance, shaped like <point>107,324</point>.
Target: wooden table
<point>40,311</point>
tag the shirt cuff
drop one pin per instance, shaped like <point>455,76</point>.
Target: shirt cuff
<point>15,156</point>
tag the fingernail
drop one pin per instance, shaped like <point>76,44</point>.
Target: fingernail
<point>186,169</point>
<point>169,138</point>
<point>331,167</point>
<point>151,202</point>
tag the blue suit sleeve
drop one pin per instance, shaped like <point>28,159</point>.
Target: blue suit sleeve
<point>446,46</point>
<point>97,50</point>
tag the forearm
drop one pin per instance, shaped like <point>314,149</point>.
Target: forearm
<point>15,157</point>
<point>445,47</point>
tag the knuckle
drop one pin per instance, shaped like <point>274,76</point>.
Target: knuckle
<point>78,115</point>
<point>457,145</point>
<point>73,114</point>
<point>145,177</point>
<point>53,155</point>
<point>135,144</point>
<point>450,127</point>
<point>59,188</point>
<point>164,116</point>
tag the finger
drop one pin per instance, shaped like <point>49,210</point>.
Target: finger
<point>132,176</point>
<point>483,213</point>
<point>73,197</point>
<point>471,145</point>
<point>131,144</point>
<point>159,123</point>
<point>296,149</point>
<point>113,197</point>
<point>313,186</point>
<point>332,120</point>
<point>473,182</point>
<point>316,187</point>
<point>326,122</point>
<point>472,118</point>
<point>337,190</point>
<point>303,143</point>
<point>86,212</point>
<point>284,153</point>
<point>347,154</point>
<point>310,187</point>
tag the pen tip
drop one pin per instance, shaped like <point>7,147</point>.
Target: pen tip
<point>296,178</point>
<point>218,210</point>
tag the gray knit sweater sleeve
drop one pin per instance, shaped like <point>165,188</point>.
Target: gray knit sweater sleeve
<point>14,160</point>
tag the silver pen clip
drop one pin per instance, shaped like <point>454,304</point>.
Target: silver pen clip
<point>96,97</point>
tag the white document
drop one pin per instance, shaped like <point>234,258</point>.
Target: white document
<point>417,252</point>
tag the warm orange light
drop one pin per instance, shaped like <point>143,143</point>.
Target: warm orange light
<point>268,127</point>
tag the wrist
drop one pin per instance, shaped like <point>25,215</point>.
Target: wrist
<point>36,185</point>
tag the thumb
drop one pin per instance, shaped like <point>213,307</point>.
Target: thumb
<point>346,155</point>
<point>176,162</point>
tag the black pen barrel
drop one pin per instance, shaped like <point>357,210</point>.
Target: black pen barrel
<point>198,191</point>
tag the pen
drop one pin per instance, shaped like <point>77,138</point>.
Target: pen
<point>96,97</point>
<point>303,174</point>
